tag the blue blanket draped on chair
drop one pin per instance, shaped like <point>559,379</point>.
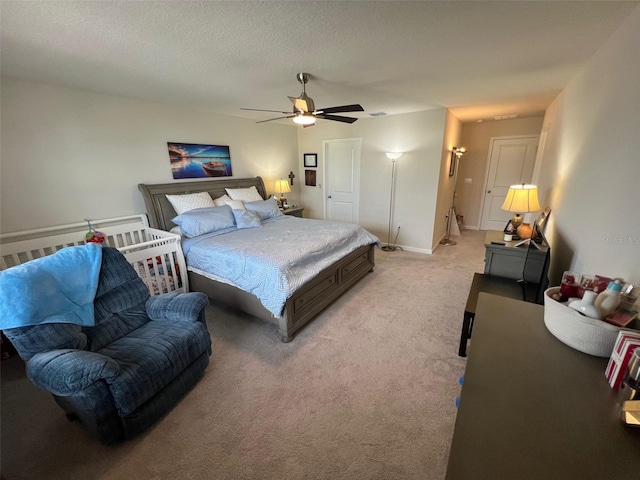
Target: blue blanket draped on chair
<point>58,288</point>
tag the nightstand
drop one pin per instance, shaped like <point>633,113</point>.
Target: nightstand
<point>294,211</point>
<point>504,259</point>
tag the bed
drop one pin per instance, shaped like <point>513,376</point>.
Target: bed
<point>303,304</point>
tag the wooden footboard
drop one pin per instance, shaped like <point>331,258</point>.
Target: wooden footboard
<point>307,302</point>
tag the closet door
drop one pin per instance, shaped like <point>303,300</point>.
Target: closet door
<point>342,179</point>
<point>511,162</point>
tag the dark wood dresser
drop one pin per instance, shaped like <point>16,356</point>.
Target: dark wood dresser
<point>533,408</point>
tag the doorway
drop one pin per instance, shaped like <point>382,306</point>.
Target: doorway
<point>342,179</point>
<point>511,161</point>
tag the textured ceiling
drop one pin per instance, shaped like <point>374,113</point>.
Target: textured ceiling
<point>478,58</point>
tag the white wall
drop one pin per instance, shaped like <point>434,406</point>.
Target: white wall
<point>68,154</point>
<point>590,173</point>
<point>420,136</point>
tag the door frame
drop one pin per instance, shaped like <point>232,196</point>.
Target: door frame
<point>325,145</point>
<point>488,166</point>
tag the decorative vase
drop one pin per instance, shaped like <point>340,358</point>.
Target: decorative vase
<point>524,231</point>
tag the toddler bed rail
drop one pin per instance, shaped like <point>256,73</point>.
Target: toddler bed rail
<point>156,255</point>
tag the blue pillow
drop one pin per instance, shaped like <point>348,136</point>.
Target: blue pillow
<point>264,208</point>
<point>246,219</point>
<point>205,220</point>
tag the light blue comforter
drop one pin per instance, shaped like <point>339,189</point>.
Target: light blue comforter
<point>274,260</point>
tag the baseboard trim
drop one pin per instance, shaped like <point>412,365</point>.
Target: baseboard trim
<point>425,251</point>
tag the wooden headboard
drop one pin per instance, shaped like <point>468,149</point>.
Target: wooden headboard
<point>160,211</point>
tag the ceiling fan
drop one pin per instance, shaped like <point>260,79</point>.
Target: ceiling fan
<point>304,110</point>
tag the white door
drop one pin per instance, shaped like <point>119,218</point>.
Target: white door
<point>342,179</point>
<point>511,161</point>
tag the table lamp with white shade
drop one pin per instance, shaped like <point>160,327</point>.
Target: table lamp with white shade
<point>282,186</point>
<point>521,199</point>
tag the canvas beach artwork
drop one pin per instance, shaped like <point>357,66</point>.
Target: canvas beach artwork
<point>192,160</point>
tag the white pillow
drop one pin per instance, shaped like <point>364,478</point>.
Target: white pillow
<point>245,194</point>
<point>226,200</point>
<point>189,201</point>
<point>236,204</point>
<point>220,201</point>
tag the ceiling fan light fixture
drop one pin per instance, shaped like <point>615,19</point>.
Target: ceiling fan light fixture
<point>304,119</point>
<point>304,110</point>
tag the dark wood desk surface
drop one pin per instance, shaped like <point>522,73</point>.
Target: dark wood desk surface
<point>534,408</point>
<point>504,287</point>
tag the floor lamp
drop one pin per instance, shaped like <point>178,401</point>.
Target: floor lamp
<point>455,156</point>
<point>393,156</point>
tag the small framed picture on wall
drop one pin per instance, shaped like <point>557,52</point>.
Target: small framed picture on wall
<point>310,160</point>
<point>310,178</point>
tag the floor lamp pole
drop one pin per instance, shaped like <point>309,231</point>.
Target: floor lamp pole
<point>456,154</point>
<point>452,212</point>
<point>388,247</point>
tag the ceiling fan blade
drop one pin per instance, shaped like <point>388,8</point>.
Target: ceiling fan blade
<point>337,118</point>
<point>260,110</point>
<point>304,109</point>
<point>302,104</point>
<point>343,109</point>
<point>277,118</point>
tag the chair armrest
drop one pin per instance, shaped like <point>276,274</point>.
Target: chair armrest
<point>67,371</point>
<point>177,306</point>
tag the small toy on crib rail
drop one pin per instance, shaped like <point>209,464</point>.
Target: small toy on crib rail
<point>94,236</point>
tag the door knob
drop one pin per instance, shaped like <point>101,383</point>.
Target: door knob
<point>329,196</point>
<point>488,191</point>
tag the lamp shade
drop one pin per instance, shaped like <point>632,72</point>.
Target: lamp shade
<point>393,155</point>
<point>522,199</point>
<point>459,151</point>
<point>282,186</point>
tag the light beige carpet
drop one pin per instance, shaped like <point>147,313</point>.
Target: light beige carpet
<point>365,391</point>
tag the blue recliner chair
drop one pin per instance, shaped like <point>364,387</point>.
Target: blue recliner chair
<point>122,374</point>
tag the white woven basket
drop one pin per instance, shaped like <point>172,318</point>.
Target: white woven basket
<point>588,335</point>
